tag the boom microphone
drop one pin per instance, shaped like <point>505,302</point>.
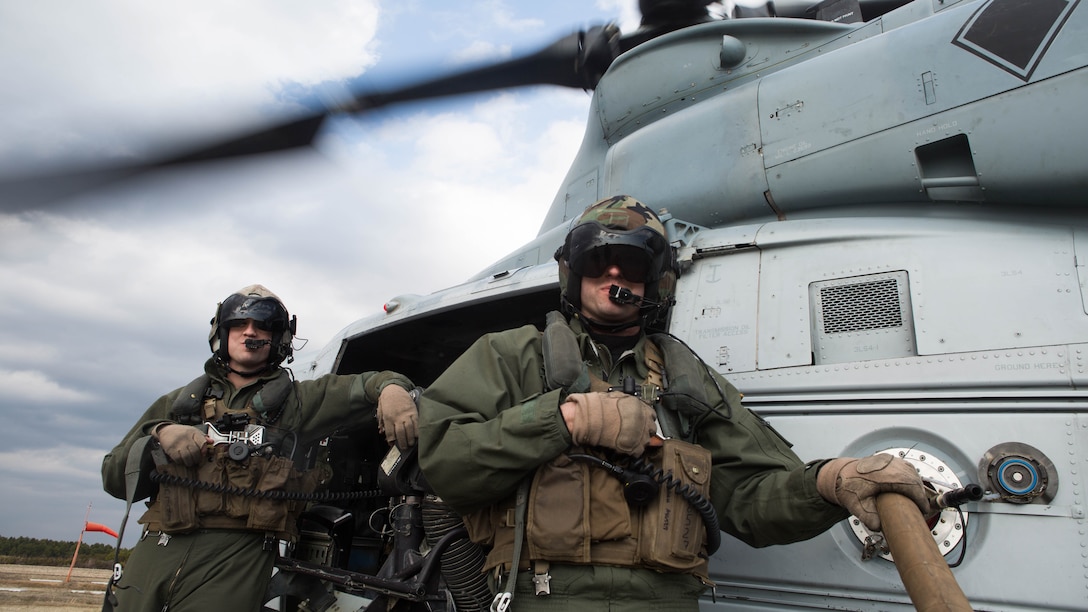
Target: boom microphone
<point>623,295</point>
<point>254,344</point>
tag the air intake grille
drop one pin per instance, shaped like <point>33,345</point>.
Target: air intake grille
<point>861,306</point>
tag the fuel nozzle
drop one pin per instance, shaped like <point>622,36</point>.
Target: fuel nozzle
<point>957,497</point>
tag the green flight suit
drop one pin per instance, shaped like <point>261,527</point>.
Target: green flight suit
<point>487,423</point>
<point>229,569</point>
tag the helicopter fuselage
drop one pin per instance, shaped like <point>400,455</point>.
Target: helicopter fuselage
<point>883,240</point>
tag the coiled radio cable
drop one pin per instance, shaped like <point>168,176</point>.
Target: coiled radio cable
<point>276,494</point>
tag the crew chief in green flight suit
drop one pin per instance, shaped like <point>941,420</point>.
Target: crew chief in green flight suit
<point>205,549</point>
<point>499,416</point>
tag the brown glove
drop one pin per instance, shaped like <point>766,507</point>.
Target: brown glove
<point>181,443</point>
<point>615,420</point>
<point>398,417</point>
<point>855,483</point>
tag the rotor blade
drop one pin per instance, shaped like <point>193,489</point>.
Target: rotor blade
<point>35,190</point>
<point>291,135</point>
<point>576,60</point>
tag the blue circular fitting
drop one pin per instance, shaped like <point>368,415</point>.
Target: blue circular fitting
<point>1009,486</point>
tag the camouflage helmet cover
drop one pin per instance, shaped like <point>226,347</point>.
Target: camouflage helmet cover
<point>258,303</point>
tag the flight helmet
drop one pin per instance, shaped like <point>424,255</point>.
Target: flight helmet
<point>258,303</point>
<point>619,225</point>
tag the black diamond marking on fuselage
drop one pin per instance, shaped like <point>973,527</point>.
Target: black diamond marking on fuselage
<point>1013,34</point>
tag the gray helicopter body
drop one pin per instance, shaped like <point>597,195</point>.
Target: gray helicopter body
<point>883,238</point>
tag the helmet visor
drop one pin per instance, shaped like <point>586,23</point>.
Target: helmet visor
<point>640,253</point>
<point>266,313</point>
<point>632,262</point>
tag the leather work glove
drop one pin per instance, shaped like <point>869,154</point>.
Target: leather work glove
<point>398,417</point>
<point>616,420</point>
<point>181,443</point>
<point>855,483</point>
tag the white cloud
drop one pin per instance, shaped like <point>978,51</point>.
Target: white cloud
<point>505,19</point>
<point>28,352</point>
<point>479,51</point>
<point>140,67</point>
<point>34,386</point>
<point>64,460</point>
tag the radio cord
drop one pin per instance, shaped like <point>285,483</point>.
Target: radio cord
<point>277,494</point>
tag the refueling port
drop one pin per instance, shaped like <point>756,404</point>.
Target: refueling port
<point>948,527</point>
<point>1018,473</point>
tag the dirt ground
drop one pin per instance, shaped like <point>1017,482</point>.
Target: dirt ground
<point>34,588</point>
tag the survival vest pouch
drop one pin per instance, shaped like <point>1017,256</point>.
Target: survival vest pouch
<point>230,494</point>
<point>669,534</point>
<point>174,503</point>
<point>673,535</point>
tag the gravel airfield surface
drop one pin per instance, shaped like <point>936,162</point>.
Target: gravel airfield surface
<point>34,588</point>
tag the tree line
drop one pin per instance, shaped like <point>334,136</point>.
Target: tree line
<point>33,551</point>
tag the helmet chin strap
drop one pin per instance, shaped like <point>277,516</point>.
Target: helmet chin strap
<point>250,374</point>
<point>606,327</point>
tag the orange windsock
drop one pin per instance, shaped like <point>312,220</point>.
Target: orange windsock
<point>99,527</point>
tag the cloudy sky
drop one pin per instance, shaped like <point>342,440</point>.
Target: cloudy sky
<point>106,295</point>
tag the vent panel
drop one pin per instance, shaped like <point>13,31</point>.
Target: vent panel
<point>862,318</point>
<point>861,306</point>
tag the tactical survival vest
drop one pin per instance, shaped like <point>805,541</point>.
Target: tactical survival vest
<point>228,491</point>
<point>667,534</point>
